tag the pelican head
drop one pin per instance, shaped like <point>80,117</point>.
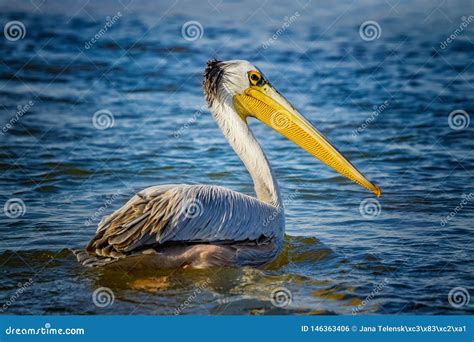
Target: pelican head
<point>242,86</point>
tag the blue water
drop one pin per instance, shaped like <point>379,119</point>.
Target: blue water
<point>384,103</point>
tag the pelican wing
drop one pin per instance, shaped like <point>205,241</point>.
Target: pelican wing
<point>184,213</point>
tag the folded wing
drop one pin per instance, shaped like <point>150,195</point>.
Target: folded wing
<point>187,214</point>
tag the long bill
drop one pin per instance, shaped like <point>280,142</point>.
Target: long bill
<point>268,106</point>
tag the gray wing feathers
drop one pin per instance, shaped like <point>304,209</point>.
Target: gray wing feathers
<point>187,213</point>
<point>220,214</point>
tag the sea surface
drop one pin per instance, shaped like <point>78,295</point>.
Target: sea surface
<point>99,100</point>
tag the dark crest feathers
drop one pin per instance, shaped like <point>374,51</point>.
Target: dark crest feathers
<point>212,77</point>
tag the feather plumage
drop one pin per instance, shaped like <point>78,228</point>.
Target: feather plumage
<point>188,215</point>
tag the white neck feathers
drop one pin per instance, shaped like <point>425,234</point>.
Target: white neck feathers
<point>242,140</point>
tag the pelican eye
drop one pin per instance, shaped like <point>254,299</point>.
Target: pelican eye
<point>255,78</point>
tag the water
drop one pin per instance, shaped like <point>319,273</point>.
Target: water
<point>68,173</point>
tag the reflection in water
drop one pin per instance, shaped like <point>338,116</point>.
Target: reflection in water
<point>223,290</point>
<point>188,291</point>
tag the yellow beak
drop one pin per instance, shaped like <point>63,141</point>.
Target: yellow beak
<point>267,105</point>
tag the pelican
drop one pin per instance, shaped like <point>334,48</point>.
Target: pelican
<point>199,226</point>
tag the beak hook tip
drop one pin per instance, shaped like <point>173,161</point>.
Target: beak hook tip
<point>377,191</point>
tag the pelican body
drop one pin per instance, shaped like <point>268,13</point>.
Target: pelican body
<point>205,225</point>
